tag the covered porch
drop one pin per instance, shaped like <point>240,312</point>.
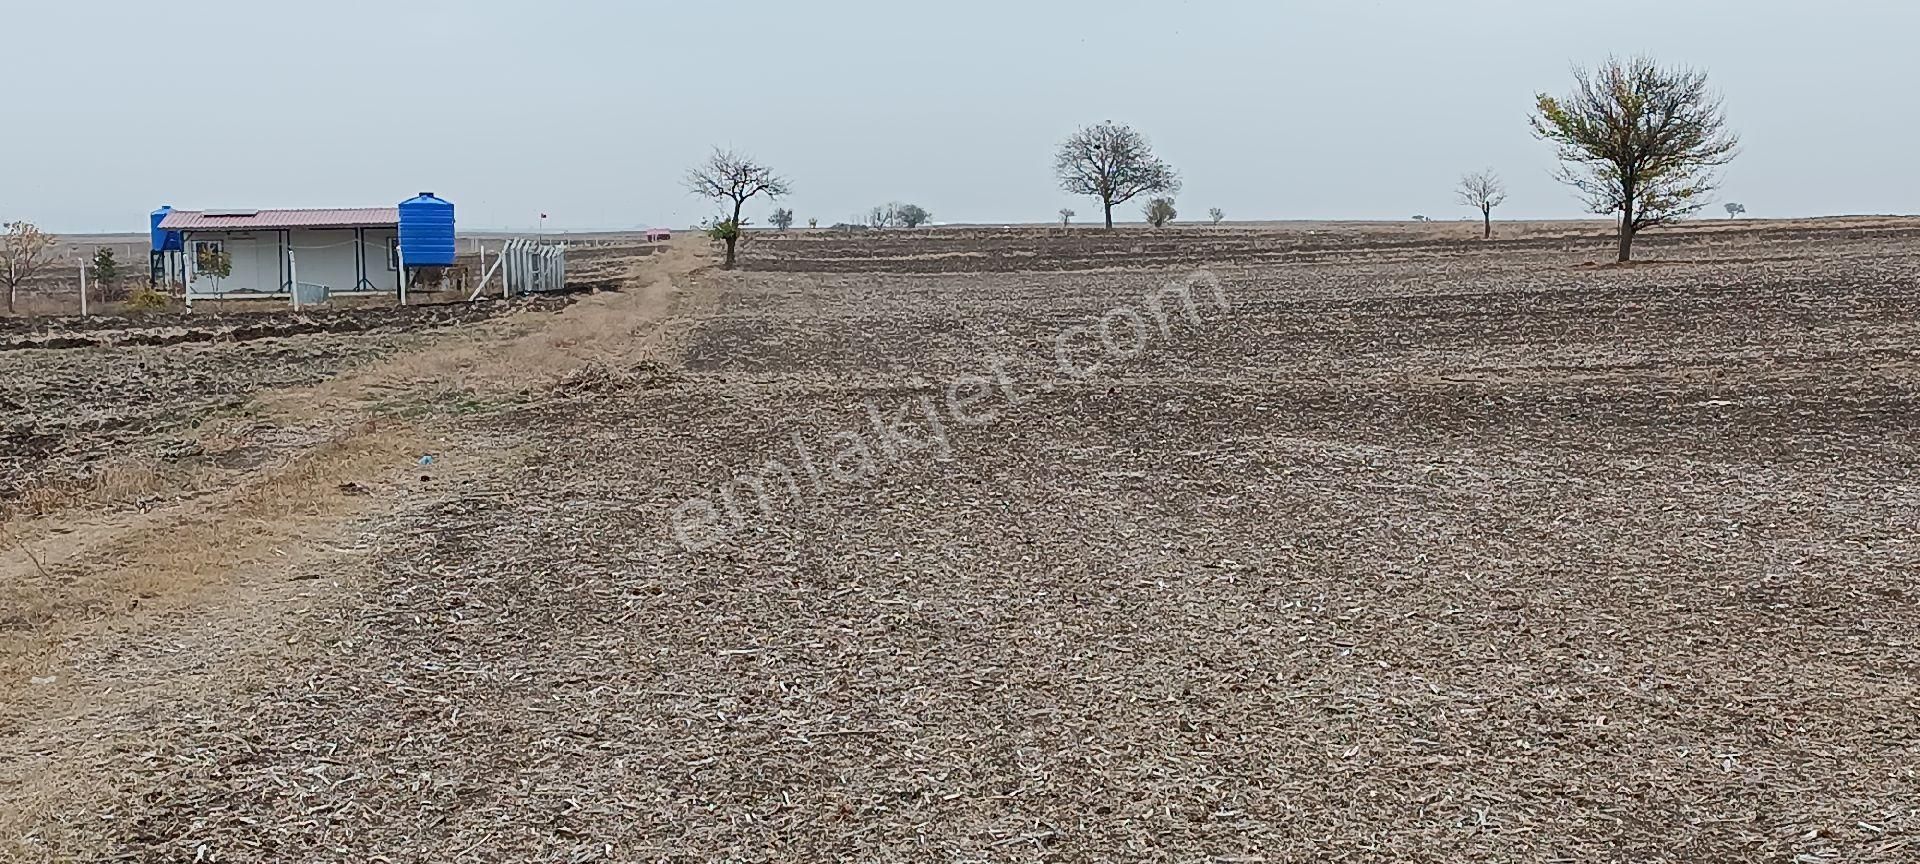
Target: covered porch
<point>303,255</point>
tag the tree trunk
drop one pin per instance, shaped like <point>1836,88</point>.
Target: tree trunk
<point>735,239</point>
<point>1486,215</point>
<point>1626,224</point>
<point>1109,214</point>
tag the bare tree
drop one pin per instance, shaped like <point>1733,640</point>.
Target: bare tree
<point>25,250</point>
<point>1160,211</point>
<point>1217,215</point>
<point>782,218</point>
<point>732,180</point>
<point>1114,164</point>
<point>813,223</point>
<point>1735,211</point>
<point>1483,191</point>
<point>881,218</point>
<point>1066,216</point>
<point>1638,140</point>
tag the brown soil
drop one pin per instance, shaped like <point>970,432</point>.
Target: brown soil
<point>1416,550</point>
<point>82,399</point>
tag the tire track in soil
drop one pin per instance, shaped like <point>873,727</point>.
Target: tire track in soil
<point>190,608</point>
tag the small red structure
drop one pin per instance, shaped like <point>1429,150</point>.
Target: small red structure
<point>658,235</point>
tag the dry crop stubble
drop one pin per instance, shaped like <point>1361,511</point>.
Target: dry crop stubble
<point>1430,551</point>
<point>97,591</point>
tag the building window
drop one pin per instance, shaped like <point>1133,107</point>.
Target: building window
<point>206,252</point>
<point>210,259</point>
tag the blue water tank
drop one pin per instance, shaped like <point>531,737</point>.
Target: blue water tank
<point>426,231</point>
<point>163,241</point>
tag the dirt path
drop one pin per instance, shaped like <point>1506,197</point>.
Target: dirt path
<point>1521,564</point>
<point>128,624</point>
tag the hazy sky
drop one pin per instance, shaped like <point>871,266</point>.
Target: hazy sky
<point>591,110</point>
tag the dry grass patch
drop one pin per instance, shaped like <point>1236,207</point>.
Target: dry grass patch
<point>87,573</point>
<point>123,480</point>
<point>319,448</point>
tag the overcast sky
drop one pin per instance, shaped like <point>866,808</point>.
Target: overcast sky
<point>591,110</point>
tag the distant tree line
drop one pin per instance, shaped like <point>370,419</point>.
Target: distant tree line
<point>1636,140</point>
<point>897,215</point>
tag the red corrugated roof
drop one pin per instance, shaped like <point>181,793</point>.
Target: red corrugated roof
<point>269,220</point>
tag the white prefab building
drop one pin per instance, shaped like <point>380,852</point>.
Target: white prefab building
<point>273,253</point>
